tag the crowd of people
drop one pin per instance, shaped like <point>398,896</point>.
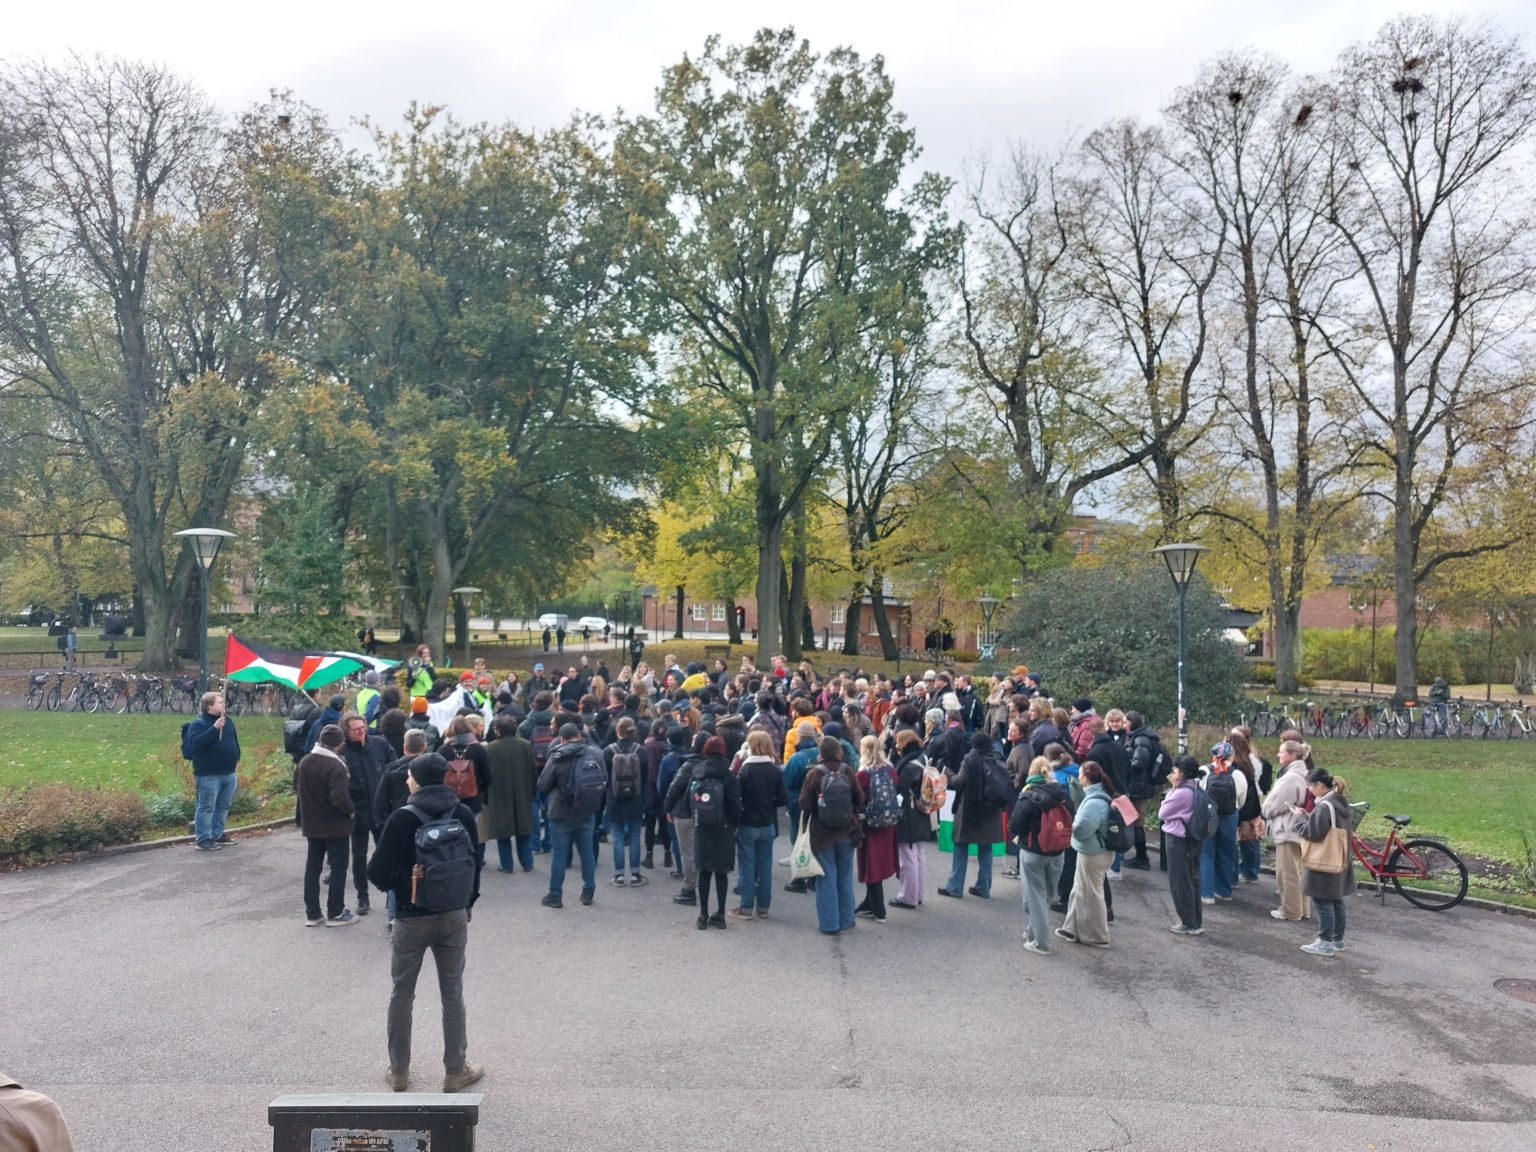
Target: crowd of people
<point>698,763</point>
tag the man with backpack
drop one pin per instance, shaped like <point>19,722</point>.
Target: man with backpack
<point>1150,765</point>
<point>538,728</point>
<point>427,857</point>
<point>627,762</point>
<point>983,791</point>
<point>574,782</point>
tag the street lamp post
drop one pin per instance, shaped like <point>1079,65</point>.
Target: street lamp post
<point>205,546</point>
<point>1181,560</point>
<point>988,645</point>
<point>468,593</point>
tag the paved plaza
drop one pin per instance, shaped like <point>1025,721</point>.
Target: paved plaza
<point>163,998</point>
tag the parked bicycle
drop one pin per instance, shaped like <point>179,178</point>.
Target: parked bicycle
<point>37,689</point>
<point>1437,878</point>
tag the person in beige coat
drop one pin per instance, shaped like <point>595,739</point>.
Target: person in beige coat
<point>1290,789</point>
<point>29,1121</point>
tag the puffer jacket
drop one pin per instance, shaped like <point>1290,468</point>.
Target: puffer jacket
<point>1290,789</point>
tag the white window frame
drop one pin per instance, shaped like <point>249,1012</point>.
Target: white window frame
<point>698,610</point>
<point>839,614</point>
<point>719,612</point>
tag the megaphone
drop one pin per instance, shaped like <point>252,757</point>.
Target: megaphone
<point>415,664</point>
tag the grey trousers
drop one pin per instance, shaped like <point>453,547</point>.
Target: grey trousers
<point>447,934</point>
<point>685,849</point>
<point>1040,875</point>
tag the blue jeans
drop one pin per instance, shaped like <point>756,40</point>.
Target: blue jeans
<point>524,852</point>
<point>754,856</point>
<point>214,796</point>
<point>1218,859</point>
<point>957,869</point>
<point>1248,858</point>
<point>563,833</point>
<point>540,821</point>
<point>620,831</point>
<point>834,889</point>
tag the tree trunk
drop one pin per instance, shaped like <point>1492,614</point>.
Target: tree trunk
<point>460,627</point>
<point>854,621</point>
<point>1286,633</point>
<point>1404,557</point>
<point>136,613</point>
<point>732,625</point>
<point>889,649</point>
<point>770,574</point>
<point>678,635</point>
<point>794,631</point>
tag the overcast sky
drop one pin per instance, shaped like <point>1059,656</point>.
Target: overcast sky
<point>967,76</point>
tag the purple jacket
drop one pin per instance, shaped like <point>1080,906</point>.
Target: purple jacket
<point>1177,807</point>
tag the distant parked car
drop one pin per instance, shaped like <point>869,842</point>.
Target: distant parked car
<point>596,623</point>
<point>555,620</point>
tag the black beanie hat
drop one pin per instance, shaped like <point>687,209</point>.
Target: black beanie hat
<point>679,737</point>
<point>429,769</point>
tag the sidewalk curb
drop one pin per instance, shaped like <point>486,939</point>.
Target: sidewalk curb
<point>165,842</point>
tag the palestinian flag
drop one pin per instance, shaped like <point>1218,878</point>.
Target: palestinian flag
<point>250,663</point>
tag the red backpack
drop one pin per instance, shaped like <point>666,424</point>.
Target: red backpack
<point>1055,830</point>
<point>461,778</point>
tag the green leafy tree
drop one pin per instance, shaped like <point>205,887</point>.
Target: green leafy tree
<point>762,189</point>
<point>300,581</point>
<point>1110,632</point>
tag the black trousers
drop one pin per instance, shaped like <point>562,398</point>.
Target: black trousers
<point>656,832</point>
<point>874,899</point>
<point>1069,873</point>
<point>720,886</point>
<point>1183,856</point>
<point>360,858</point>
<point>336,897</point>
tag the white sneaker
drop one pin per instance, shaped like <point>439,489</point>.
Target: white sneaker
<point>1277,914</point>
<point>1207,899</point>
<point>1318,948</point>
<point>1031,946</point>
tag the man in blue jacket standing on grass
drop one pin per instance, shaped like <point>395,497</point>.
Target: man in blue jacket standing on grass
<point>213,747</point>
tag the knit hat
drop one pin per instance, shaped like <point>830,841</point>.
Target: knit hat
<point>463,676</point>
<point>832,728</point>
<point>1082,704</point>
<point>714,746</point>
<point>679,737</point>
<point>371,678</point>
<point>934,716</point>
<point>331,736</point>
<point>1033,676</point>
<point>429,769</point>
<point>419,705</point>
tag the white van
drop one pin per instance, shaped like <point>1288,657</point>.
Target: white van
<point>553,620</point>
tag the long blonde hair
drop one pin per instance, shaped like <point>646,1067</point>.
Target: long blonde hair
<point>871,755</point>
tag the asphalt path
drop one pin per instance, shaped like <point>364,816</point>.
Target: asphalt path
<point>164,998</point>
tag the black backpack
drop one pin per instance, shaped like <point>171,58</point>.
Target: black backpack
<point>1118,835</point>
<point>1201,824</point>
<point>707,798</point>
<point>834,803</point>
<point>626,773</point>
<point>587,784</point>
<point>294,733</point>
<point>996,787</point>
<point>63,643</point>
<point>447,860</point>
<point>1222,790</point>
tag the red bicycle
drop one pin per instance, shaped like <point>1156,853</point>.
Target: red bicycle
<point>1430,862</point>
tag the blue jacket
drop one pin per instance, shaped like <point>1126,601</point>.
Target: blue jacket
<point>326,717</point>
<point>210,755</point>
<point>1089,824</point>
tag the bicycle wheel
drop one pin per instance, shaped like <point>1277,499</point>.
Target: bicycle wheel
<point>52,698</point>
<point>90,700</point>
<point>114,699</point>
<point>35,699</point>
<point>1478,729</point>
<point>1431,861</point>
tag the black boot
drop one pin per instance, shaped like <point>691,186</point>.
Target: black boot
<point>686,896</point>
<point>647,861</point>
<point>796,886</point>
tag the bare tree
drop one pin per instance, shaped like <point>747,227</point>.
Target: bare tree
<point>1146,256</point>
<point>1426,115</point>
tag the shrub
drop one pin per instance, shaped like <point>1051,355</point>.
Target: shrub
<point>47,819</point>
<point>1111,633</point>
<point>170,809</point>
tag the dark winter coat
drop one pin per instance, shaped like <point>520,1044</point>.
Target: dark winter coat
<point>213,753</point>
<point>327,716</point>
<point>390,868</point>
<point>365,765</point>
<point>429,729</point>
<point>975,822</point>
<point>392,791</point>
<point>325,801</point>
<point>1033,803</point>
<point>762,793</point>
<point>555,780</point>
<point>1042,734</point>
<point>714,845</point>
<point>509,802</point>
<point>822,836</point>
<point>1111,756</point>
<point>948,748</point>
<point>733,730</point>
<point>914,825</point>
<point>1150,764</point>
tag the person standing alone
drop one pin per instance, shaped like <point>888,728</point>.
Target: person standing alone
<point>213,746</point>
<point>427,858</point>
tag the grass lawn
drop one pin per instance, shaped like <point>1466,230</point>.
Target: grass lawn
<point>130,753</point>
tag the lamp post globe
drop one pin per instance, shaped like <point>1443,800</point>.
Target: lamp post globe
<point>1181,560</point>
<point>206,543</point>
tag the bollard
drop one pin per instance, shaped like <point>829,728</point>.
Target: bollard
<point>375,1122</point>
